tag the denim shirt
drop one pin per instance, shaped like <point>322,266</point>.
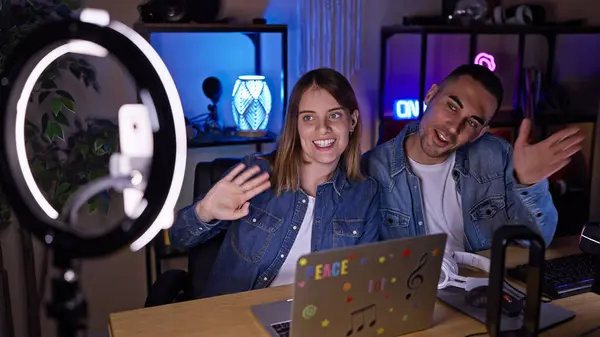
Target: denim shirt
<point>483,172</point>
<point>346,213</point>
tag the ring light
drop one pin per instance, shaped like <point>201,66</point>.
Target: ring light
<point>149,168</point>
<point>94,34</point>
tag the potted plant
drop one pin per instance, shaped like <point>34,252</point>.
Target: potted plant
<point>64,151</point>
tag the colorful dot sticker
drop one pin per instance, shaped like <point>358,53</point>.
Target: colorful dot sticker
<point>382,259</point>
<point>302,262</point>
<point>325,323</point>
<point>391,256</point>
<point>347,286</point>
<point>435,252</point>
<point>391,309</point>
<point>364,260</point>
<point>405,317</point>
<point>406,253</point>
<point>309,311</point>
<point>387,296</point>
<point>349,299</point>
<point>416,305</point>
<point>393,280</point>
<point>301,284</point>
<point>380,331</point>
<point>351,257</point>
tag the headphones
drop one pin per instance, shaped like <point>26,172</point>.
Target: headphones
<point>449,273</point>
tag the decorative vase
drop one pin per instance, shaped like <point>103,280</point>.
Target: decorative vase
<point>251,105</point>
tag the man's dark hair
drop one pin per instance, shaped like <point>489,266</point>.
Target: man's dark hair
<point>481,74</point>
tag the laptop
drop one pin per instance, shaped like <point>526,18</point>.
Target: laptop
<point>383,289</point>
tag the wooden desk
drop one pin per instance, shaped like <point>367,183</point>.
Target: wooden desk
<point>230,316</point>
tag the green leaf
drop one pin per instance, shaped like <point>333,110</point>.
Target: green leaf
<point>43,96</point>
<point>61,118</point>
<point>93,205</point>
<point>84,149</point>
<point>57,105</point>
<point>53,131</point>
<point>68,103</point>
<point>62,188</point>
<point>65,95</point>
<point>99,144</point>
<point>45,119</point>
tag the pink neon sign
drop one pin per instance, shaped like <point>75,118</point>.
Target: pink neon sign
<point>486,60</point>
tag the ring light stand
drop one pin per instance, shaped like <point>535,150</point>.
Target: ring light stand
<point>157,125</point>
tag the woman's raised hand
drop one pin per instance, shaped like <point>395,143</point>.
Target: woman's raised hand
<point>229,198</point>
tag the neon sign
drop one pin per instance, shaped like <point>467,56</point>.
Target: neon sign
<point>486,60</point>
<point>407,108</point>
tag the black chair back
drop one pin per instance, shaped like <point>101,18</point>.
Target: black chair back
<point>202,257</point>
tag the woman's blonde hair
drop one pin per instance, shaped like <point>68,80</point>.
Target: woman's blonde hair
<point>288,158</point>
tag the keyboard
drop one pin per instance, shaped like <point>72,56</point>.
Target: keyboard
<point>283,328</point>
<point>563,277</point>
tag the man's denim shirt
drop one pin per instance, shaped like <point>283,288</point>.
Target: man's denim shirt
<point>483,172</point>
<point>345,214</point>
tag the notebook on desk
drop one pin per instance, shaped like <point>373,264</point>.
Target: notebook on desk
<point>381,289</point>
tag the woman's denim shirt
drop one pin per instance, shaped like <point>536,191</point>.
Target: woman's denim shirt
<point>346,213</point>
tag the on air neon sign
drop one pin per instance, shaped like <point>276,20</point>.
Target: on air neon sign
<point>407,108</point>
<point>486,60</point>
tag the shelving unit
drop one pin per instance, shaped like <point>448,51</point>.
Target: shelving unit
<point>549,32</point>
<point>252,31</point>
<point>573,208</point>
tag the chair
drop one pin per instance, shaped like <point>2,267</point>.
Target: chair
<point>178,285</point>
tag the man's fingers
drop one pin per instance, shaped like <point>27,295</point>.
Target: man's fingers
<point>258,190</point>
<point>568,142</point>
<point>562,135</point>
<point>244,176</point>
<point>252,183</point>
<point>234,172</point>
<point>524,131</point>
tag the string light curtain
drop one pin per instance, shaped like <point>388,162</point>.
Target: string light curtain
<point>330,35</point>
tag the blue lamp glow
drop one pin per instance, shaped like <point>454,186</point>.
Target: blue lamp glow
<point>251,105</point>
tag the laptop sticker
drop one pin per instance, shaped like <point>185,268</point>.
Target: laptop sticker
<point>349,299</point>
<point>309,311</point>
<point>362,316</point>
<point>376,285</point>
<point>327,270</point>
<point>325,323</point>
<point>347,286</point>
<point>380,331</point>
<point>406,253</point>
<point>415,279</point>
<point>301,284</point>
<point>364,260</point>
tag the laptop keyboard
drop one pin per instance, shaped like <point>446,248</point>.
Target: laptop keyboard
<point>283,329</point>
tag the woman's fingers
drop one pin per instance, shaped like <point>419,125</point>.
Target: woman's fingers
<point>252,183</point>
<point>244,176</point>
<point>234,172</point>
<point>242,211</point>
<point>258,190</point>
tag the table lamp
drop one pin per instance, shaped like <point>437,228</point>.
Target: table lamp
<point>251,105</point>
<point>149,168</point>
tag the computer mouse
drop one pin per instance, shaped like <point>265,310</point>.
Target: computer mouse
<point>511,306</point>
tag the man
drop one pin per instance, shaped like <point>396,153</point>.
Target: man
<point>445,173</point>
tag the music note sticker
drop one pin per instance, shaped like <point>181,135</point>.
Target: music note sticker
<point>415,279</point>
<point>357,318</point>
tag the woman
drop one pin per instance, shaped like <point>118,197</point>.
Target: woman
<point>308,195</point>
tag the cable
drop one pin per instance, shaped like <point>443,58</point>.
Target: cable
<point>589,331</point>
<point>86,192</point>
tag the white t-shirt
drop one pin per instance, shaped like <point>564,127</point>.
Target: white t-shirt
<point>301,246</point>
<point>442,202</point>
